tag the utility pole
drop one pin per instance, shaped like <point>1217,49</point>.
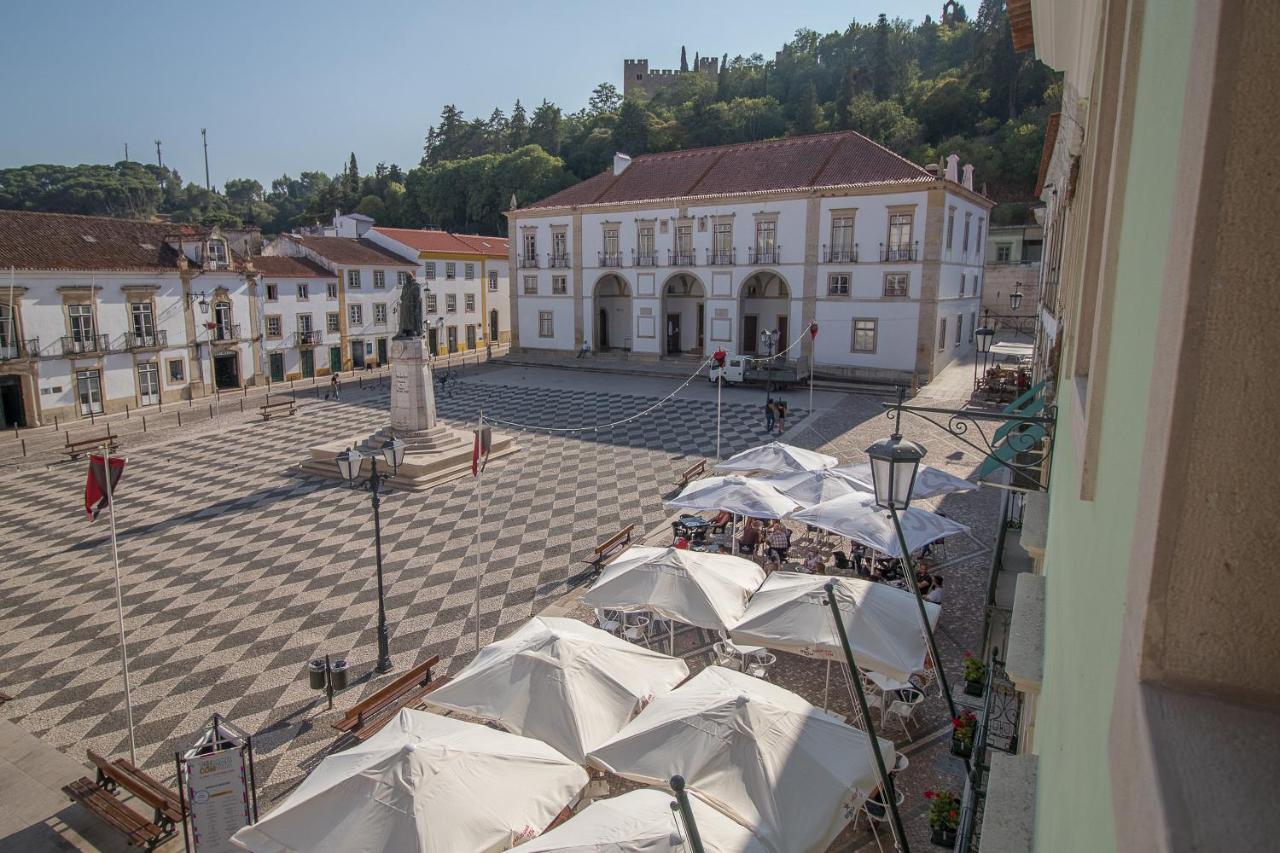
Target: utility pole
<point>126,152</point>
<point>159,159</point>
<point>204,137</point>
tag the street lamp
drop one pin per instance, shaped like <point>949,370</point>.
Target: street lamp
<point>894,463</point>
<point>767,339</point>
<point>349,462</point>
<point>983,337</point>
<point>1015,298</point>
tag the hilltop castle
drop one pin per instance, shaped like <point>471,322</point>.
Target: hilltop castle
<point>639,80</point>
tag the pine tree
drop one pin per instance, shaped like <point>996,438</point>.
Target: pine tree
<point>684,59</point>
<point>631,132</point>
<point>808,112</point>
<point>697,64</point>
<point>518,127</point>
<point>848,89</point>
<point>881,74</point>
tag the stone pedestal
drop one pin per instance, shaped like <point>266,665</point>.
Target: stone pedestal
<point>434,452</point>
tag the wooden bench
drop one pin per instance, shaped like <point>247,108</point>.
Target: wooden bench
<point>693,472</point>
<point>81,446</point>
<point>369,715</point>
<point>610,548</point>
<point>100,798</point>
<point>284,408</point>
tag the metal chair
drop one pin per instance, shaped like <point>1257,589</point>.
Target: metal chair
<point>635,627</point>
<point>725,656</point>
<point>607,621</point>
<point>877,813</point>
<point>903,709</point>
<point>874,695</point>
<point>757,664</point>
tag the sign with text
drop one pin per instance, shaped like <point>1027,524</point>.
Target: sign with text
<point>217,799</point>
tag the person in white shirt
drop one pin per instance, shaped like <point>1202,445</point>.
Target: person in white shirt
<point>935,594</point>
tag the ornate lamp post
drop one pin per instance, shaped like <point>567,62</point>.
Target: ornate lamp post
<point>349,462</point>
<point>1015,298</point>
<point>983,337</point>
<point>894,463</point>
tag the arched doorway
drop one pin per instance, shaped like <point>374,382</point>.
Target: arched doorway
<point>683,315</point>
<point>612,322</point>
<point>764,305</point>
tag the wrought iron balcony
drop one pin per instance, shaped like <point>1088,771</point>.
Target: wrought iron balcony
<point>843,255</point>
<point>682,258</point>
<point>223,332</point>
<point>898,252</point>
<point>722,258</point>
<point>10,349</point>
<point>610,259</point>
<point>766,256</point>
<point>84,344</point>
<point>308,339</point>
<point>529,262</point>
<point>558,262</point>
<point>646,259</point>
<point>148,340</point>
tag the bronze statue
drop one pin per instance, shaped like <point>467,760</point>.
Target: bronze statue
<point>410,310</point>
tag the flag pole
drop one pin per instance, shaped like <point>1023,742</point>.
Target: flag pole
<point>475,543</point>
<point>115,559</point>
<point>719,382</point>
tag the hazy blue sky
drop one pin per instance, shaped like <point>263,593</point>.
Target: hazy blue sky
<point>288,86</point>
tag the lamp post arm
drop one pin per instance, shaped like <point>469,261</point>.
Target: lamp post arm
<point>909,567</point>
<point>886,781</point>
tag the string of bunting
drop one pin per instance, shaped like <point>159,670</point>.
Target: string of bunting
<point>648,410</point>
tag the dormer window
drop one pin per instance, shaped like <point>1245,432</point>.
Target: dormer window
<point>217,252</point>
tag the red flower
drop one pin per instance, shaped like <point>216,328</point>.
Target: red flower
<point>928,795</point>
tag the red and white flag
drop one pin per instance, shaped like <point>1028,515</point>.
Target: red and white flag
<point>480,451</point>
<point>95,485</point>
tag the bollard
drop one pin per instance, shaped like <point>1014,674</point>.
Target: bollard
<point>144,423</point>
<point>179,418</point>
<point>55,423</point>
<point>91,416</point>
<point>24,446</point>
<point>242,405</point>
<point>211,411</point>
<point>126,411</point>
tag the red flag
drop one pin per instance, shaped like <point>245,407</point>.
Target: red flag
<point>813,330</point>
<point>480,450</point>
<point>95,485</point>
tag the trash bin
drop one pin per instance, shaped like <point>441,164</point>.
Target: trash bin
<point>338,674</point>
<point>315,674</point>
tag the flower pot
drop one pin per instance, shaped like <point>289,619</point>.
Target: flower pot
<point>943,837</point>
<point>960,747</point>
<point>973,688</point>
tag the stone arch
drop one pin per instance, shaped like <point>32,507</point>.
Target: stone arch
<point>764,304</point>
<point>611,306</point>
<point>683,320</point>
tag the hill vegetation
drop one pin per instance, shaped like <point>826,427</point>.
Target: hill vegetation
<point>924,90</point>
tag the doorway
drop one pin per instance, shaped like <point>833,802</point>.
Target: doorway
<point>308,364</point>
<point>148,384</point>
<point>226,370</point>
<point>750,329</point>
<point>277,367</point>
<point>453,339</point>
<point>357,355</point>
<point>493,326</point>
<point>89,390</point>
<point>12,412</point>
<point>702,319</point>
<point>471,337</point>
<point>433,341</point>
<point>673,334</point>
<point>784,333</point>
<point>335,359</point>
<point>382,352</point>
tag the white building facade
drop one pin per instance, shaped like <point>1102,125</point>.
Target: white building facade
<point>888,264</point>
<point>100,314</point>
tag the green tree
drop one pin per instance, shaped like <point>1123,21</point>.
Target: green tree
<point>517,128</point>
<point>545,130</point>
<point>605,98</point>
<point>631,132</point>
<point>684,59</point>
<point>373,207</point>
<point>808,115</point>
<point>881,69</point>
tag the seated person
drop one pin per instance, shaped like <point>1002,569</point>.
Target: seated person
<point>813,564</point>
<point>750,537</point>
<point>778,539</point>
<point>722,519</point>
<point>935,594</point>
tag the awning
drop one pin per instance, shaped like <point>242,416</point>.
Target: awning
<point>1012,349</point>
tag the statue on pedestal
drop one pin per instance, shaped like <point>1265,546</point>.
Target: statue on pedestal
<point>410,310</point>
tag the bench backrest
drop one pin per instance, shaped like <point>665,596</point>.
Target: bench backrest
<point>388,694</point>
<point>622,536</point>
<point>108,437</point>
<point>135,782</point>
<point>696,468</point>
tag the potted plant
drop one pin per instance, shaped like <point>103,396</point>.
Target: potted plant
<point>963,729</point>
<point>975,675</point>
<point>944,817</point>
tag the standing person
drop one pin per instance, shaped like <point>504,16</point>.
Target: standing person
<point>750,537</point>
<point>778,539</point>
<point>768,414</point>
<point>333,384</point>
<point>781,407</point>
<point>584,349</point>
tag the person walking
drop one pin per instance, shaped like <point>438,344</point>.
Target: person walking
<point>584,349</point>
<point>768,414</point>
<point>781,407</point>
<point>333,385</point>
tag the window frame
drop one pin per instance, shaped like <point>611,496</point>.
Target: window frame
<point>379,279</point>
<point>303,291</point>
<point>379,313</point>
<point>429,270</point>
<point>450,270</point>
<point>353,280</point>
<point>272,292</point>
<point>181,376</point>
<point>906,288</point>
<point>559,285</point>
<point>875,335</point>
<point>469,303</point>
<point>451,303</point>
<point>546,324</point>
<point>942,334</point>
<point>530,286</point>
<point>355,314</point>
<point>831,283</point>
<point>331,289</point>
<point>333,322</point>
<point>493,281</point>
<point>271,321</point>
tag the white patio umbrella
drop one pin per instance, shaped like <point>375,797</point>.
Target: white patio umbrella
<point>857,517</point>
<point>561,681</point>
<point>738,495</point>
<point>788,613</point>
<point>788,771</point>
<point>930,481</point>
<point>705,590</point>
<point>776,458</point>
<point>424,783</point>
<point>808,488</point>
<point>642,822</point>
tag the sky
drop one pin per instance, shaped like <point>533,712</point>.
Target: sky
<point>289,86</point>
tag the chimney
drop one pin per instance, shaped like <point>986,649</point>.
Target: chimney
<point>620,163</point>
<point>953,168</point>
<point>932,169</point>
<point>967,180</point>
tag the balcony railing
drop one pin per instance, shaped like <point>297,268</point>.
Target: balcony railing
<point>529,262</point>
<point>308,339</point>
<point>610,259</point>
<point>896,253</point>
<point>558,262</point>
<point>766,256</point>
<point>11,349</point>
<point>82,344</point>
<point>148,340</point>
<point>840,256</point>
<point>225,333</point>
<point>646,259</point>
<point>721,258</point>
<point>682,258</point>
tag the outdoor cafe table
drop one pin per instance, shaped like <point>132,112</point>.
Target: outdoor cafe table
<point>886,683</point>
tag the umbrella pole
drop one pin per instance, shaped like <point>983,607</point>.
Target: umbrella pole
<point>686,812</point>
<point>886,781</point>
<point>826,688</point>
<point>735,534</point>
<point>671,633</point>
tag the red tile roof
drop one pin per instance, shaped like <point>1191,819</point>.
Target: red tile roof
<point>280,266</point>
<point>1046,153</point>
<point>424,240</point>
<point>344,250</point>
<point>841,159</point>
<point>60,241</point>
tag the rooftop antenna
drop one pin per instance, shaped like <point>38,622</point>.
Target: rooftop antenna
<point>204,137</point>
